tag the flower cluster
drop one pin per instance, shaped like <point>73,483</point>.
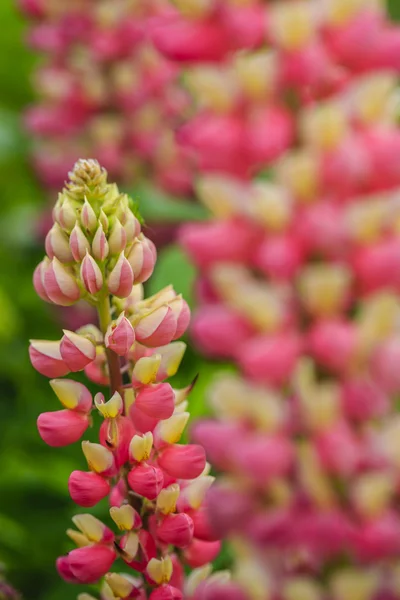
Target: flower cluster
<point>295,140</point>
<point>104,89</point>
<point>156,487</point>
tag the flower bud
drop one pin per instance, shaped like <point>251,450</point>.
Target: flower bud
<point>156,328</point>
<point>125,517</point>
<point>87,489</point>
<point>46,358</point>
<point>160,570</point>
<point>169,431</point>
<point>166,592</point>
<point>64,570</point>
<point>120,336</point>
<point>99,459</point>
<point>62,427</point>
<point>117,238</point>
<point>141,421</point>
<point>90,563</point>
<point>183,462</point>
<point>181,311</point>
<point>60,284</point>
<point>77,351</point>
<point>141,446</point>
<point>67,215</point>
<point>72,394</point>
<point>131,225</point>
<point>100,248</point>
<point>146,481</point>
<point>57,244</point>
<point>38,279</point>
<point>176,530</point>
<point>88,217</point>
<point>156,401</point>
<point>78,243</point>
<point>120,280</point>
<point>142,258</point>
<point>91,275</point>
<point>167,499</point>
<point>200,553</point>
<point>110,409</point>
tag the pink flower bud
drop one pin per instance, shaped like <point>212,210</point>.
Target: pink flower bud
<point>87,489</point>
<point>219,331</point>
<point>72,394</point>
<point>142,258</point>
<point>76,350</point>
<point>156,328</point>
<point>120,336</point>
<point>88,217</point>
<point>156,401</point>
<point>146,481</point>
<point>270,359</point>
<point>78,243</point>
<point>46,358</point>
<point>333,344</point>
<point>166,592</point>
<point>91,275</point>
<point>200,553</point>
<point>60,284</point>
<point>120,280</point>
<point>62,427</point>
<point>100,248</point>
<point>57,245</point>
<point>363,399</point>
<point>183,462</point>
<point>176,529</point>
<point>38,279</point>
<point>131,225</point>
<point>181,311</point>
<point>117,238</point>
<point>90,563</point>
<point>64,570</point>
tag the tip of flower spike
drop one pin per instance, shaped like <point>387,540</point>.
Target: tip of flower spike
<point>87,177</point>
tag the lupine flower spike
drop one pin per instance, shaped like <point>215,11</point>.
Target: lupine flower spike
<point>294,136</point>
<point>155,486</point>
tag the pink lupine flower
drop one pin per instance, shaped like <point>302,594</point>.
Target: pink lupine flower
<point>46,358</point>
<point>87,489</point>
<point>138,463</point>
<point>60,285</point>
<point>62,427</point>
<point>76,350</point>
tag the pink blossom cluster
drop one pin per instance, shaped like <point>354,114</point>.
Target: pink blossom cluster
<point>155,486</point>
<point>295,140</point>
<point>104,90</point>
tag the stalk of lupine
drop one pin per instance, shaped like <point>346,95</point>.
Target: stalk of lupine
<point>298,285</point>
<point>103,88</point>
<point>155,486</point>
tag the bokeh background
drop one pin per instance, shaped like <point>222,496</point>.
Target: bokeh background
<point>35,507</point>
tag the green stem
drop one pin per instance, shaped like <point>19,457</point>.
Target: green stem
<point>114,368</point>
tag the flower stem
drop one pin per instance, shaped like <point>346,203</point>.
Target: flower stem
<point>104,312</point>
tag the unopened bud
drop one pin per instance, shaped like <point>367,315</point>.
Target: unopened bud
<point>72,394</point>
<point>60,284</point>
<point>120,336</point>
<point>117,238</point>
<point>157,327</point>
<point>79,243</point>
<point>91,275</point>
<point>88,217</point>
<point>46,358</point>
<point>142,258</point>
<point>57,244</point>
<point>100,247</point>
<point>120,280</point>
<point>77,351</point>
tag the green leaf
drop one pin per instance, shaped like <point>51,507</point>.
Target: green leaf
<point>156,206</point>
<point>173,267</point>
